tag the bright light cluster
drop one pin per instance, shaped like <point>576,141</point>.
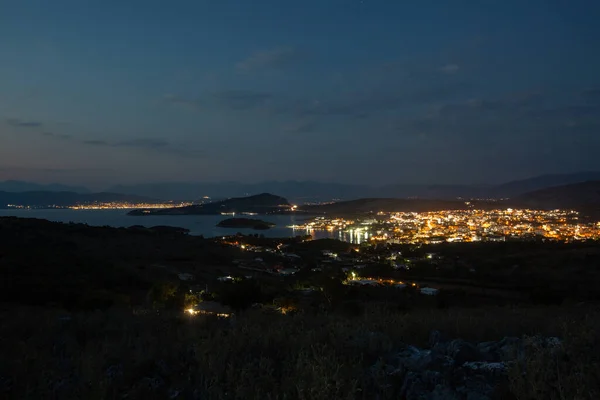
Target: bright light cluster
<point>464,226</point>
<point>126,205</point>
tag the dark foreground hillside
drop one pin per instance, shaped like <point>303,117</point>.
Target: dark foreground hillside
<point>372,355</point>
<point>98,313</point>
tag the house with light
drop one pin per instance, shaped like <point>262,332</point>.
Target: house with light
<point>210,308</point>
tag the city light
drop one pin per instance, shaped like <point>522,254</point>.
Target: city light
<point>126,206</point>
<point>463,226</point>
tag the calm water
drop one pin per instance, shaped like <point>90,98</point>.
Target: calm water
<point>197,224</point>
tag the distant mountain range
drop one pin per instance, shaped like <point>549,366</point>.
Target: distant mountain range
<point>65,199</point>
<point>21,186</point>
<point>309,191</point>
<point>375,205</point>
<point>583,196</point>
<point>263,203</point>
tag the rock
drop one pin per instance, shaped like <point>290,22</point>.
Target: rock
<point>492,368</point>
<point>435,337</point>
<point>6,384</point>
<point>475,388</point>
<point>454,370</point>
<point>414,359</point>
<point>152,383</point>
<point>462,352</point>
<point>505,349</point>
<point>429,291</point>
<point>114,372</point>
<point>442,392</point>
<point>417,384</point>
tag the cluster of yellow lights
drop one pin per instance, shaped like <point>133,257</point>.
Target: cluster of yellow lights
<point>126,205</point>
<point>193,312</point>
<point>355,277</point>
<point>465,225</point>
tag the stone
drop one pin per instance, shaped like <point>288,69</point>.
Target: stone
<point>454,370</point>
<point>6,384</point>
<point>114,372</point>
<point>435,337</point>
<point>443,392</point>
<point>462,352</point>
<point>417,385</point>
<point>505,349</point>
<point>414,359</point>
<point>492,368</point>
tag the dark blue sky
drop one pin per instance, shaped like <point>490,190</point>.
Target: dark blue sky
<point>103,92</point>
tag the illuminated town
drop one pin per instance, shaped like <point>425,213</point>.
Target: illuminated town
<point>126,206</point>
<point>103,206</point>
<point>459,226</point>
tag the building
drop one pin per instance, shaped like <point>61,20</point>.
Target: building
<point>210,308</point>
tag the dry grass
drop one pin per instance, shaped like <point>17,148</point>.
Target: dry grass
<point>258,356</point>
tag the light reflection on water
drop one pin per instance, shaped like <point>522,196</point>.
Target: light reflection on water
<point>351,236</point>
<point>197,224</point>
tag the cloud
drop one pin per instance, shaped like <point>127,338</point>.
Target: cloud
<point>301,127</point>
<point>361,105</point>
<point>14,168</point>
<point>22,124</point>
<point>148,144</point>
<point>56,135</point>
<point>144,143</point>
<point>276,58</point>
<point>160,146</point>
<point>230,99</point>
<point>96,142</point>
<point>519,123</point>
<point>450,69</point>
<point>242,99</point>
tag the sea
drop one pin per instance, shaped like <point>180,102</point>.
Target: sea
<point>204,225</point>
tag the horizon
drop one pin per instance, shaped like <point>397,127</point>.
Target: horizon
<point>340,91</point>
<point>114,188</point>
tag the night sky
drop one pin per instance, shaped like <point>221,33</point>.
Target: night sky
<point>373,91</point>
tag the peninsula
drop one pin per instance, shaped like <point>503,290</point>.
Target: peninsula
<point>264,203</point>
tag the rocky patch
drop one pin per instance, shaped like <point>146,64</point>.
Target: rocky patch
<point>454,369</point>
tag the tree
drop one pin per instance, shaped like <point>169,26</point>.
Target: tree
<point>162,294</point>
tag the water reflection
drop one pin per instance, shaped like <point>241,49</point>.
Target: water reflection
<point>353,236</point>
<point>205,225</point>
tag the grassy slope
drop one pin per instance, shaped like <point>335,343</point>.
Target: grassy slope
<point>261,356</point>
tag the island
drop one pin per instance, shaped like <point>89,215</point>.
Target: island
<point>245,223</point>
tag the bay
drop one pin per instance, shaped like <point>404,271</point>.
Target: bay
<point>197,224</point>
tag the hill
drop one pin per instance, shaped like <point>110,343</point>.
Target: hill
<point>264,203</point>
<point>310,191</point>
<point>583,197</point>
<point>523,187</point>
<point>43,199</point>
<point>79,266</point>
<point>388,205</point>
<point>300,191</point>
